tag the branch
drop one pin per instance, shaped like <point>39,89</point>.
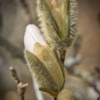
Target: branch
<point>62,56</point>
<point>21,87</point>
<point>15,52</point>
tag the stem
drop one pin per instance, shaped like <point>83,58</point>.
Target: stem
<point>55,98</point>
<point>22,97</point>
<point>21,88</point>
<point>62,56</point>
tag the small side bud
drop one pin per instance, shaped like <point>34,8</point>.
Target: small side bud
<point>66,94</point>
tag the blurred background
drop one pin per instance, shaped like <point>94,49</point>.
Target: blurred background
<point>82,59</point>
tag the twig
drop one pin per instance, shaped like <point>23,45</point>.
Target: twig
<point>21,87</point>
<point>62,55</point>
<point>55,98</point>
<point>15,52</point>
<point>22,97</point>
<point>98,98</point>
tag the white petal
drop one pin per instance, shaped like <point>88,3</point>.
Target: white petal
<point>33,35</point>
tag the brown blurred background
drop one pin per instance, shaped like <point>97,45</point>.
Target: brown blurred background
<point>15,15</point>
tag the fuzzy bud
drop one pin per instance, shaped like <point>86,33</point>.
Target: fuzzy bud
<point>46,69</point>
<point>58,22</point>
<point>43,62</point>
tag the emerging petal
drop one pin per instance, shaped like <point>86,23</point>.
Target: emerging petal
<point>33,35</point>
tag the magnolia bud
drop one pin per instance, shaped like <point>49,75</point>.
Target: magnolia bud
<point>58,22</point>
<point>43,62</point>
<point>66,94</point>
